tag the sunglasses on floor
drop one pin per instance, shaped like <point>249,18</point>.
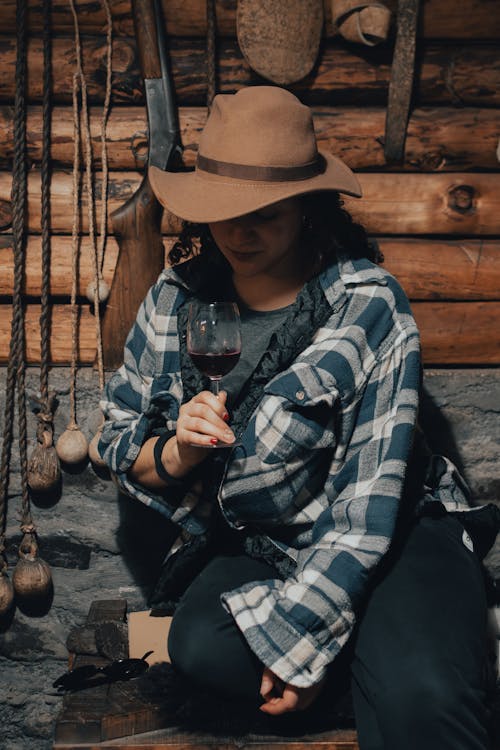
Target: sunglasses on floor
<point>89,675</point>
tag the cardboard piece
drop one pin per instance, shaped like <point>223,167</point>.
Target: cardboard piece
<point>147,633</point>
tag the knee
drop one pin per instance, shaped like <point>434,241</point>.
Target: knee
<point>430,698</point>
<point>187,646</point>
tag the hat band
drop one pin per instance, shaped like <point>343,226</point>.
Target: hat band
<point>261,174</point>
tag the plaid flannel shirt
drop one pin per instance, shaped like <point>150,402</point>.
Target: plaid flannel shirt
<point>322,463</point>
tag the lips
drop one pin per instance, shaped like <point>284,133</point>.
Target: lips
<point>243,255</point>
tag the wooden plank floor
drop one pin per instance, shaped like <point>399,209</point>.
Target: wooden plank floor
<point>173,738</point>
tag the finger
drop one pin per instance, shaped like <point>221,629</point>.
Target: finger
<point>217,403</point>
<point>277,706</point>
<point>203,432</point>
<point>280,705</point>
<point>204,413</point>
<point>267,684</point>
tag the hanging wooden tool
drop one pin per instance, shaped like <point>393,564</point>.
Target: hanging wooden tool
<point>36,581</point>
<point>401,83</point>
<point>137,224</point>
<point>362,21</point>
<point>280,38</point>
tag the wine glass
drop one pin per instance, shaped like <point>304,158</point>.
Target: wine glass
<point>214,341</point>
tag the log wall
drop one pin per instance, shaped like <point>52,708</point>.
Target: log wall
<point>435,216</point>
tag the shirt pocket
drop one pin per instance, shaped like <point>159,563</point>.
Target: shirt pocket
<point>298,414</point>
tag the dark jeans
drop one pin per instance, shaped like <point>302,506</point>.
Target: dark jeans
<point>416,660</point>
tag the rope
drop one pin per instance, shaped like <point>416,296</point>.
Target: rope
<point>74,250</point>
<point>19,191</point>
<point>45,210</point>
<point>104,151</point>
<point>211,73</point>
<point>96,253</point>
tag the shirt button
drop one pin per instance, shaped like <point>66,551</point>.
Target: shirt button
<point>300,395</point>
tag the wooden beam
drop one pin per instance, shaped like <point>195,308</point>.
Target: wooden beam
<point>467,74</point>
<point>453,333</point>
<point>393,204</point>
<point>441,19</point>
<point>438,139</point>
<point>427,269</point>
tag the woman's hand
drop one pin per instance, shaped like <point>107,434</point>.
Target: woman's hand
<point>280,697</point>
<point>202,422</point>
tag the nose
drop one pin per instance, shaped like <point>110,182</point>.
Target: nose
<point>242,228</point>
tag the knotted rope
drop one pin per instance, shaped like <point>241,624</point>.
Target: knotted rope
<point>47,400</point>
<point>97,251</point>
<point>16,368</point>
<point>211,52</point>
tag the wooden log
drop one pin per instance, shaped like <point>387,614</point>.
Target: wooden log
<point>438,138</point>
<point>446,270</point>
<point>392,204</point>
<point>461,333</point>
<point>427,269</point>
<point>453,333</point>
<point>465,74</point>
<point>441,19</point>
<point>60,265</point>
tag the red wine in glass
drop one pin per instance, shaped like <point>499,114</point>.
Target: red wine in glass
<point>214,341</point>
<point>215,365</point>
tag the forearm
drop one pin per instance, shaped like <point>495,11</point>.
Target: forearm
<point>143,470</point>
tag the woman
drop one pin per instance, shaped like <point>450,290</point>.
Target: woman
<point>328,535</point>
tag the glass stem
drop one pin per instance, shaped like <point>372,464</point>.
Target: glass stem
<point>215,386</point>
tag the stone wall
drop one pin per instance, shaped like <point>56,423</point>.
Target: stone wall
<point>100,545</point>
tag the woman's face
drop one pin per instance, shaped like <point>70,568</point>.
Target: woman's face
<point>265,242</point>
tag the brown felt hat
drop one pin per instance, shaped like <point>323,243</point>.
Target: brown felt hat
<point>258,147</point>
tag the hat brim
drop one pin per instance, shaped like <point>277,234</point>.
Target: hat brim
<point>204,198</point>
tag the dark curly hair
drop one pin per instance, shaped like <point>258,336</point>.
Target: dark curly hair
<point>329,233</point>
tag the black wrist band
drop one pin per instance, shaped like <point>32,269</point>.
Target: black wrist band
<point>159,466</point>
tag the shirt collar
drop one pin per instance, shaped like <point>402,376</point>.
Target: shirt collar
<point>348,273</point>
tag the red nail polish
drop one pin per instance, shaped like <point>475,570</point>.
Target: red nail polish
<point>214,441</point>
<point>225,417</point>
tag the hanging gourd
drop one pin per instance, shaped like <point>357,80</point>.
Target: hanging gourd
<point>44,472</point>
<point>103,291</point>
<point>6,589</point>
<point>72,446</point>
<point>6,593</point>
<point>31,578</point>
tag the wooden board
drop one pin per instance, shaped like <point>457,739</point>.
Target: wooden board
<point>465,75</point>
<point>459,333</point>
<point>393,204</point>
<point>462,269</point>
<point>438,138</point>
<point>342,739</point>
<point>441,19</point>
